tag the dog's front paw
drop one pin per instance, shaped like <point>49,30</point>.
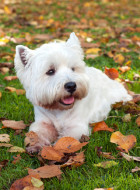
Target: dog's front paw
<point>32,149</point>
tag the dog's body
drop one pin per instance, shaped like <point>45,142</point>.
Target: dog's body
<point>66,94</point>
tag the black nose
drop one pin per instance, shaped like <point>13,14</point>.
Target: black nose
<point>70,86</point>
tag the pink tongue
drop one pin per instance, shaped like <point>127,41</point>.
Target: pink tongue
<point>68,100</point>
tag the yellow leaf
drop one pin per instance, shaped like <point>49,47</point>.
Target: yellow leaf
<point>16,149</point>
<point>7,10</point>
<point>93,51</point>
<point>0,94</point>
<point>119,58</point>
<point>36,182</point>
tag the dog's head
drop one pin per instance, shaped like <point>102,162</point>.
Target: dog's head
<point>53,75</point>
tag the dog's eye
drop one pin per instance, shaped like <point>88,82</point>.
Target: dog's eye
<point>73,69</point>
<point>50,72</point>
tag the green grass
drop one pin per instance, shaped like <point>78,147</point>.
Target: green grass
<point>16,107</point>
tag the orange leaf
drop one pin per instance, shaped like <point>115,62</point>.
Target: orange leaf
<point>124,142</point>
<point>75,161</point>
<point>50,153</point>
<point>119,58</point>
<point>124,69</point>
<point>138,121</point>
<point>68,145</point>
<point>13,124</point>
<point>0,94</point>
<point>23,182</point>
<point>111,73</point>
<point>102,126</point>
<point>9,78</point>
<point>46,171</point>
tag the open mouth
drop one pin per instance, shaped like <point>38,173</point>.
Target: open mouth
<point>67,100</point>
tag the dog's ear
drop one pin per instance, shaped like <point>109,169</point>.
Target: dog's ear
<point>74,42</point>
<point>23,54</point>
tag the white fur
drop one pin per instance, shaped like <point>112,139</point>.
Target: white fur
<point>40,88</point>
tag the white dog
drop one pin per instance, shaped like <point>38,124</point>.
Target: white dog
<point>66,94</point>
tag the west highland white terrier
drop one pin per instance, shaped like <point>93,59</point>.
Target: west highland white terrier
<point>66,94</point>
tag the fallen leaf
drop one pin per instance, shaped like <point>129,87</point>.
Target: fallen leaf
<point>4,70</point>
<point>0,95</point>
<point>36,182</point>
<point>136,169</point>
<point>104,154</point>
<point>110,188</point>
<point>126,118</point>
<point>13,124</point>
<point>18,91</point>
<point>50,153</point>
<point>84,138</point>
<point>10,89</point>
<point>5,145</point>
<point>16,149</point>
<point>119,58</point>
<point>31,138</point>
<point>68,145</point>
<point>111,73</point>
<point>3,163</point>
<point>138,121</point>
<point>9,78</point>
<point>4,138</point>
<point>75,161</point>
<point>106,164</point>
<point>102,126</point>
<point>124,142</point>
<point>46,171</point>
<point>23,182</point>
<point>16,159</point>
<point>136,76</point>
<point>124,69</point>
<point>93,51</point>
<point>130,158</point>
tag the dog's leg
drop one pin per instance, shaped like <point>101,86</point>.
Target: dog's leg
<point>46,133</point>
<point>76,131</point>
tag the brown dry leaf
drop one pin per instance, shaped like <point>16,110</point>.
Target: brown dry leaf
<point>68,145</point>
<point>75,161</point>
<point>4,138</point>
<point>3,163</point>
<point>9,78</point>
<point>18,91</point>
<point>119,58</point>
<point>33,188</point>
<point>16,149</point>
<point>104,154</point>
<point>110,188</point>
<point>124,142</point>
<point>124,69</point>
<point>31,139</point>
<point>10,89</point>
<point>43,37</point>
<point>102,126</point>
<point>126,118</point>
<point>129,158</point>
<point>5,145</point>
<point>23,182</point>
<point>13,124</point>
<point>46,171</point>
<point>4,70</point>
<point>16,159</point>
<point>136,169</point>
<point>50,153</point>
<point>111,73</point>
<point>93,51</point>
<point>138,121</point>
